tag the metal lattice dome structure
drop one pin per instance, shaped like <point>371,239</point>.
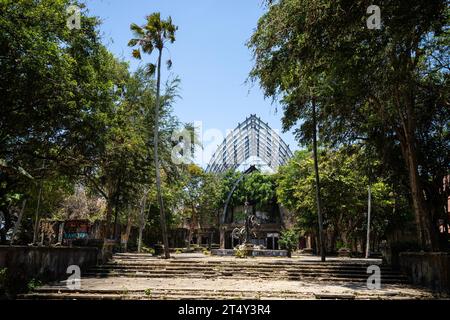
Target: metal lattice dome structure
<point>252,142</point>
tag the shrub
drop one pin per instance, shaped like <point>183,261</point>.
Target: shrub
<point>33,284</point>
<point>340,245</point>
<point>148,250</point>
<point>148,292</point>
<point>12,283</point>
<point>240,252</point>
<point>289,241</point>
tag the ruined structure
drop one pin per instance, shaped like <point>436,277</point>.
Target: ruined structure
<point>252,142</point>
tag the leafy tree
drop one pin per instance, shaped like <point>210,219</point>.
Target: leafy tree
<point>154,35</point>
<point>74,117</point>
<point>289,241</point>
<point>229,178</point>
<point>79,205</point>
<point>344,185</point>
<point>200,198</point>
<point>291,179</point>
<point>57,89</point>
<point>140,96</point>
<point>387,87</point>
<point>122,170</point>
<point>210,200</point>
<point>259,188</point>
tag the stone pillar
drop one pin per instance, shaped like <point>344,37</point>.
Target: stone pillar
<point>222,238</point>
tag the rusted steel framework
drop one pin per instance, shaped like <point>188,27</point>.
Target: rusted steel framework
<point>252,139</point>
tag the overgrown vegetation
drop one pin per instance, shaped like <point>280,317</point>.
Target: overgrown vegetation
<point>289,241</point>
<point>83,137</point>
<point>240,252</point>
<point>77,127</point>
<point>386,89</point>
<point>17,282</point>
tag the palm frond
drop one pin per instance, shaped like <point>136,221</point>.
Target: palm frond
<point>137,54</point>
<point>137,30</point>
<point>133,42</point>
<point>148,47</point>
<point>150,69</point>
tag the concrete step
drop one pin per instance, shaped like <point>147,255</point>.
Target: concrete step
<point>160,296</point>
<point>240,264</point>
<point>255,273</point>
<point>62,293</point>
<point>251,269</point>
<point>237,261</point>
<point>142,266</point>
<point>318,277</point>
<point>236,266</point>
<point>196,294</point>
<point>148,267</point>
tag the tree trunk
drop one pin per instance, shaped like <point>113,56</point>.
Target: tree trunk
<point>422,216</point>
<point>158,173</point>
<point>126,235</point>
<point>142,220</point>
<point>5,211</point>
<point>116,232</point>
<point>109,210</point>
<point>316,171</point>
<point>334,235</point>
<point>19,221</point>
<point>369,208</point>
<point>3,234</point>
<point>189,239</point>
<point>37,218</point>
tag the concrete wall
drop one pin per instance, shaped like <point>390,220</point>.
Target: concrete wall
<point>430,269</point>
<point>47,263</point>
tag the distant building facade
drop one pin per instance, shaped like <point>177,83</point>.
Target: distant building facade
<point>252,143</point>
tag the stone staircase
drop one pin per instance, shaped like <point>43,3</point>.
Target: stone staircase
<point>135,266</point>
<point>163,294</point>
<point>138,267</point>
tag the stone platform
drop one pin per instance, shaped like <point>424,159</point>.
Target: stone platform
<point>255,253</point>
<point>197,276</point>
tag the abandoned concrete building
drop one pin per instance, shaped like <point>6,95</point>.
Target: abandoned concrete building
<point>252,144</point>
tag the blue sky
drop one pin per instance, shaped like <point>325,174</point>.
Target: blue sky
<point>209,56</point>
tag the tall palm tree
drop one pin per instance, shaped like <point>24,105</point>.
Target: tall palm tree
<point>155,34</point>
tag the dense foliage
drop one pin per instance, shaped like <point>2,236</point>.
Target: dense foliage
<point>386,87</point>
<point>76,126</point>
<point>289,241</point>
<point>345,179</point>
<point>84,137</point>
